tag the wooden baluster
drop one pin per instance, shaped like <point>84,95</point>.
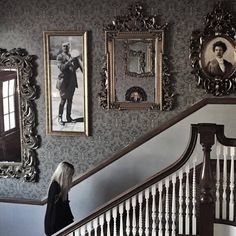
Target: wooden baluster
<point>89,228</point>
<point>77,232</point>
<point>187,217</point>
<point>154,210</point>
<point>180,202</point>
<point>121,212</point>
<point>114,215</point>
<point>224,201</point>
<point>101,223</point>
<point>231,199</point>
<point>82,230</point>
<point>140,201</point>
<point>127,208</point>
<point>194,219</point>
<point>173,207</point>
<point>160,233</point>
<point>167,214</point>
<point>146,212</point>
<point>133,201</point>
<point>95,226</point>
<point>217,204</point>
<point>108,220</point>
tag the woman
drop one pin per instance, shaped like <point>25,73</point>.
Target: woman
<point>58,212</point>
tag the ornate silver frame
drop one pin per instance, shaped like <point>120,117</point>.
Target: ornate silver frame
<point>136,25</point>
<point>19,60</point>
<point>218,27</point>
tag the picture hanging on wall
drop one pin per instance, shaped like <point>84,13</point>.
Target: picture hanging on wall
<point>66,81</point>
<point>213,53</point>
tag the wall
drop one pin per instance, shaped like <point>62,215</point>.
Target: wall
<point>22,24</point>
<point>135,166</point>
<point>226,230</point>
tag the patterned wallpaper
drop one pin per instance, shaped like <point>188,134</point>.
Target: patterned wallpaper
<point>22,24</point>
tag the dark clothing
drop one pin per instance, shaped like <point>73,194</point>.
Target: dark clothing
<point>214,69</point>
<point>67,81</point>
<point>67,77</point>
<point>58,213</point>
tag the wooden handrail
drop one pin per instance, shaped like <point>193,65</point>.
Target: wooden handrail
<point>136,189</point>
<point>207,140</point>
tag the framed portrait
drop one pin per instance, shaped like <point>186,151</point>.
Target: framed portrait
<point>213,53</point>
<point>135,74</point>
<point>218,57</point>
<point>66,82</point>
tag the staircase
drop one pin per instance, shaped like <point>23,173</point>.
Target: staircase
<point>186,198</point>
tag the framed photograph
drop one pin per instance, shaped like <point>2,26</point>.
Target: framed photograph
<point>213,53</point>
<point>66,82</point>
<point>218,57</point>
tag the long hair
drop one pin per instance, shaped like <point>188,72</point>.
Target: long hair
<point>63,176</point>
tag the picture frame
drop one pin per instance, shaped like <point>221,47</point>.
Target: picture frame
<point>66,80</point>
<point>135,74</point>
<point>213,53</point>
<point>18,134</point>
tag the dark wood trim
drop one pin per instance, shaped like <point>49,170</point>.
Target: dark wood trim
<point>23,201</point>
<point>225,222</point>
<point>222,139</point>
<point>134,145</point>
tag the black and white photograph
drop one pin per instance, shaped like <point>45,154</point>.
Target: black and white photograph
<point>219,57</point>
<point>66,82</point>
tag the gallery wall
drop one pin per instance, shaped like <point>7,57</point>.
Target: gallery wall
<point>22,24</point>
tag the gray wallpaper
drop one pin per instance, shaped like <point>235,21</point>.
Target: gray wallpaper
<point>22,24</point>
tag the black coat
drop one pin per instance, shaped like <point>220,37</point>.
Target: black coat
<point>67,80</point>
<point>213,68</point>
<point>58,213</point>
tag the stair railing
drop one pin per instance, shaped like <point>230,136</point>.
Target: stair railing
<point>168,203</point>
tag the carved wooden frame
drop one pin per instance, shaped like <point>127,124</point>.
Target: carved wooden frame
<point>19,60</point>
<point>218,27</point>
<point>136,25</point>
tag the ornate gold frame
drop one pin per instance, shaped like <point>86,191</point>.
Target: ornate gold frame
<point>135,26</point>
<point>80,39</point>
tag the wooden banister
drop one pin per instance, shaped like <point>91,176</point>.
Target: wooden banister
<point>171,181</point>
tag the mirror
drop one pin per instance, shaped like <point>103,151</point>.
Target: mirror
<point>139,60</point>
<point>135,75</point>
<point>18,139</point>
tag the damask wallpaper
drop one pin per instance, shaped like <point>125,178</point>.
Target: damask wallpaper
<point>22,24</point>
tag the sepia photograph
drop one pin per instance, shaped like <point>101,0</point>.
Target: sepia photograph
<point>219,57</point>
<point>66,82</point>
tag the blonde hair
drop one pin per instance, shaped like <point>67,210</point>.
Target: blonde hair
<point>63,176</point>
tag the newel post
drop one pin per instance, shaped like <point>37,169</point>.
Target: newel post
<point>206,221</point>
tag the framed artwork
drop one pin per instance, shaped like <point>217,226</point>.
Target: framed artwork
<point>218,48</point>
<point>213,53</point>
<point>135,74</point>
<point>66,82</point>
